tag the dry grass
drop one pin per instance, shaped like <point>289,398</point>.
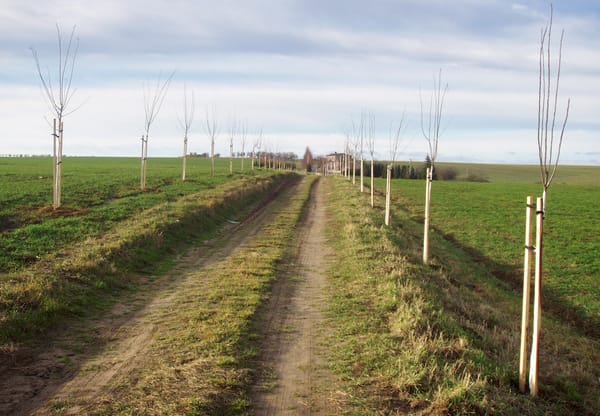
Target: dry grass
<point>440,339</point>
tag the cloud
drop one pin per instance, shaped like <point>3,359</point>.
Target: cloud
<point>300,69</point>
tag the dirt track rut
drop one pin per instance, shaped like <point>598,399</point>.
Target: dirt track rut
<point>295,379</point>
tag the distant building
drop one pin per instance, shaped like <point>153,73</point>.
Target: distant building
<point>337,163</point>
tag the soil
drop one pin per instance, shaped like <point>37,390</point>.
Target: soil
<point>79,364</point>
<point>295,379</point>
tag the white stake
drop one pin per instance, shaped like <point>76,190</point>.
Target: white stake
<point>526,293</point>
<point>427,214</point>
<point>388,196</point>
<point>537,301</point>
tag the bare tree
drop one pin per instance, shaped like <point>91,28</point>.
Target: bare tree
<point>233,128</point>
<point>186,125</point>
<point>212,129</point>
<point>549,148</point>
<point>59,93</point>
<point>431,128</point>
<point>256,148</point>
<point>243,137</point>
<point>370,135</point>
<point>549,145</point>
<point>153,101</point>
<point>359,137</point>
<point>395,137</point>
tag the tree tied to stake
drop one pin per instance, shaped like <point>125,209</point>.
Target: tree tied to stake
<point>186,124</point>
<point>431,129</point>
<point>58,93</point>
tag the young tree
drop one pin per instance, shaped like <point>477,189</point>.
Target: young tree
<point>244,137</point>
<point>212,129</point>
<point>370,134</point>
<point>233,127</point>
<point>256,148</point>
<point>58,93</point>
<point>186,124</point>
<point>549,148</point>
<point>431,129</point>
<point>395,137</point>
<point>153,101</point>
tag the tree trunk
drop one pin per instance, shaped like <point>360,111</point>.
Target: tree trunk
<point>59,163</point>
<point>185,142</point>
<point>54,166</point>
<point>526,294</point>
<point>537,299</point>
<point>212,157</point>
<point>362,177</point>
<point>372,184</point>
<point>427,215</point>
<point>388,194</point>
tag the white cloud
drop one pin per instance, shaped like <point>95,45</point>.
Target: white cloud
<point>300,70</point>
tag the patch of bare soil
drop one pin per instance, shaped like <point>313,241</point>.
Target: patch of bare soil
<point>69,371</point>
<point>294,379</point>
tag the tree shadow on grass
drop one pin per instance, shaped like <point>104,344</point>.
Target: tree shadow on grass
<point>552,301</point>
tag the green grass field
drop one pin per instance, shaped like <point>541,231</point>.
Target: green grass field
<point>97,193</point>
<point>69,261</point>
<point>488,221</point>
<point>444,338</point>
<point>523,174</point>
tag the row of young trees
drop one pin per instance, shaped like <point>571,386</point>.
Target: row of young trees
<point>58,92</point>
<point>550,136</point>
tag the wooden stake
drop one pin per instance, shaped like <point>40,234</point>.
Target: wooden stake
<point>142,166</point>
<point>427,212</point>
<point>388,196</point>
<point>145,160</point>
<point>54,178</point>
<point>59,164</point>
<point>537,301</point>
<point>372,185</point>
<point>362,178</point>
<point>526,293</point>
<point>185,142</point>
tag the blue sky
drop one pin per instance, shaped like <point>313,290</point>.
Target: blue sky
<point>301,71</point>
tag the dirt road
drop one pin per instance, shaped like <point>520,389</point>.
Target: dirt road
<point>69,375</point>
<point>295,379</point>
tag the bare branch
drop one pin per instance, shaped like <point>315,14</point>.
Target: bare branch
<point>434,117</point>
<point>548,148</point>
<point>154,98</point>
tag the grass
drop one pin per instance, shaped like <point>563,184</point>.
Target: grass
<point>205,366</point>
<point>442,339</point>
<point>488,221</point>
<point>79,280</point>
<point>97,194</point>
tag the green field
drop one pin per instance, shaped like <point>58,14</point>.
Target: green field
<point>69,261</point>
<point>488,221</point>
<point>444,338</point>
<point>97,193</point>
<point>524,174</point>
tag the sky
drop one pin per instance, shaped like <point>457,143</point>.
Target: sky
<point>302,71</point>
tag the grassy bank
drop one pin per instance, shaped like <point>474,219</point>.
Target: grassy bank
<point>78,280</point>
<point>205,366</point>
<point>488,221</point>
<point>97,194</point>
<point>442,339</point>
